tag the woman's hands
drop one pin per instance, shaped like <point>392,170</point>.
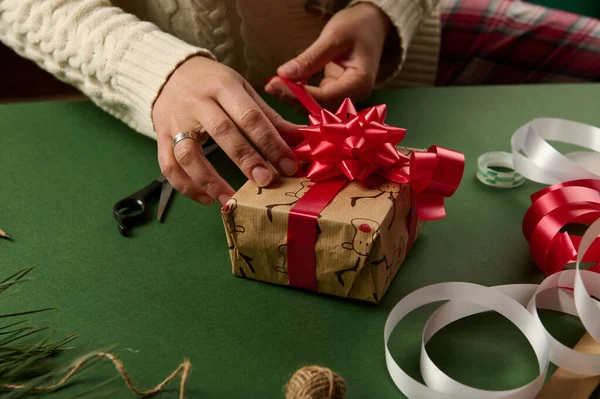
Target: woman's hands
<point>204,94</point>
<point>349,49</point>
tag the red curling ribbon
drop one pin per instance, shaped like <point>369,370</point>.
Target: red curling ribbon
<point>356,146</point>
<point>554,207</point>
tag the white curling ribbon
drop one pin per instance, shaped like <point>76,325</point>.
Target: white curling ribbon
<point>542,163</point>
<point>519,304</point>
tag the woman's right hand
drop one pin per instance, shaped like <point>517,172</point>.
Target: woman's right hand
<point>203,94</point>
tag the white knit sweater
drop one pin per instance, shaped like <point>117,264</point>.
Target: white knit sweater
<point>121,52</point>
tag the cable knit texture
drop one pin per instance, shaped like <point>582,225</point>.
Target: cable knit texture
<point>411,58</point>
<point>120,53</point>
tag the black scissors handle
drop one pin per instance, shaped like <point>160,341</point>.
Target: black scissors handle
<point>131,210</point>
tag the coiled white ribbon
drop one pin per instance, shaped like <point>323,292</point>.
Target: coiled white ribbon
<point>537,160</point>
<point>519,304</point>
<point>567,291</point>
<point>542,163</point>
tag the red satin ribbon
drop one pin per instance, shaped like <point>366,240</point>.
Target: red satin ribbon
<point>554,207</point>
<point>302,232</point>
<point>348,146</point>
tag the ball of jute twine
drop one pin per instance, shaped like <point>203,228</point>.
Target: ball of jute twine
<point>315,382</point>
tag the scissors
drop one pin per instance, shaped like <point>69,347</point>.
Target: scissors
<point>132,210</point>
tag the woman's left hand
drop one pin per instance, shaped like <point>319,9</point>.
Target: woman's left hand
<point>349,49</point>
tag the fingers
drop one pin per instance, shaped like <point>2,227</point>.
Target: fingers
<point>188,154</point>
<point>190,172</point>
<point>279,90</point>
<point>225,133</point>
<point>178,178</point>
<point>287,130</point>
<point>337,84</point>
<point>248,115</point>
<point>354,83</point>
<point>333,72</point>
<point>325,49</point>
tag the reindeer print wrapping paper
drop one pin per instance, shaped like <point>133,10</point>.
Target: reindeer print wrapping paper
<point>361,241</point>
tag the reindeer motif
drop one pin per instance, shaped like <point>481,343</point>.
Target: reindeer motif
<point>393,189</point>
<point>305,185</point>
<point>233,228</point>
<point>282,249</point>
<point>365,233</point>
<point>248,261</point>
<point>393,265</point>
<point>229,210</point>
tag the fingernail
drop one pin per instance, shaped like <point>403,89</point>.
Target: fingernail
<point>290,70</point>
<point>223,198</point>
<point>288,166</point>
<point>262,176</point>
<point>205,200</point>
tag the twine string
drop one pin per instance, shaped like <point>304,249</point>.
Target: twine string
<point>183,369</point>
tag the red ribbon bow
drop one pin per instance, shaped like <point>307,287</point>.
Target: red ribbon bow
<point>357,145</point>
<point>354,146</point>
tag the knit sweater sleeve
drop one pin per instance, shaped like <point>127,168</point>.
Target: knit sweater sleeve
<point>120,62</point>
<point>407,17</point>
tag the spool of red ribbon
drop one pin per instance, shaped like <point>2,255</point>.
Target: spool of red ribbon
<point>553,208</point>
<point>355,146</point>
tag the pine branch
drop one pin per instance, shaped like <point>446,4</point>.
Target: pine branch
<point>24,355</point>
<point>32,368</point>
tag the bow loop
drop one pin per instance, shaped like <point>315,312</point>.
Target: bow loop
<point>327,152</point>
<point>346,110</point>
<point>371,115</point>
<point>327,117</point>
<point>435,175</point>
<point>334,132</point>
<point>312,134</point>
<point>376,133</point>
<point>303,152</point>
<point>396,134</point>
<point>319,171</point>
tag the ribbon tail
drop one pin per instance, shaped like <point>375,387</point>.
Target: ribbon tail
<point>302,95</point>
<point>431,206</point>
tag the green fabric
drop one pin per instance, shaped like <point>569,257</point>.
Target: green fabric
<point>590,8</point>
<point>168,293</point>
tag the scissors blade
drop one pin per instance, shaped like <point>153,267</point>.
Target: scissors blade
<point>210,149</point>
<point>165,194</point>
<point>167,188</point>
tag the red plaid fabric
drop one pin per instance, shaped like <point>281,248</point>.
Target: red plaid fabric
<point>510,41</point>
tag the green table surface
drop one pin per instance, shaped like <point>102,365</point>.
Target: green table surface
<point>590,8</point>
<point>167,292</point>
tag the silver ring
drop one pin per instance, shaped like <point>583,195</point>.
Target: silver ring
<point>188,135</point>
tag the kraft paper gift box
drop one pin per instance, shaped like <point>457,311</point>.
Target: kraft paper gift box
<point>362,235</point>
<point>346,227</point>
